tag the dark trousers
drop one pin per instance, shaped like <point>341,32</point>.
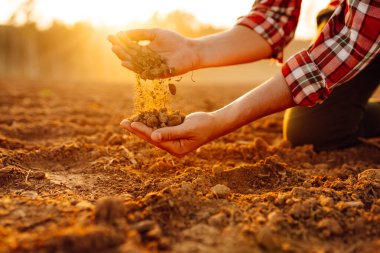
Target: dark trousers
<point>341,119</point>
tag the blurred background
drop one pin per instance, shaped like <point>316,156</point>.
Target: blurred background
<point>65,40</point>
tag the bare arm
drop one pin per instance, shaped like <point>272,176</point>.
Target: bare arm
<point>237,45</point>
<point>270,97</point>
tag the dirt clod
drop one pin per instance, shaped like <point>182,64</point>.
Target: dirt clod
<point>220,190</point>
<point>110,211</point>
<point>159,118</point>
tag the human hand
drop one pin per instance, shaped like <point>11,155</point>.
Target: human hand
<point>197,129</point>
<point>176,49</point>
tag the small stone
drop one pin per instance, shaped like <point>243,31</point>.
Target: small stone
<point>338,185</point>
<point>220,190</point>
<point>217,170</point>
<point>218,220</point>
<point>275,217</point>
<point>370,175</point>
<point>300,192</point>
<point>326,201</point>
<point>152,121</point>
<point>144,226</point>
<point>172,89</point>
<point>38,175</point>
<point>29,194</point>
<point>329,226</point>
<point>110,211</point>
<point>298,210</point>
<point>345,205</point>
<point>174,120</point>
<point>84,205</point>
<point>186,187</point>
<point>260,143</point>
<point>19,214</point>
<point>266,239</point>
<point>155,232</point>
<point>307,184</point>
<point>125,196</point>
<point>163,117</point>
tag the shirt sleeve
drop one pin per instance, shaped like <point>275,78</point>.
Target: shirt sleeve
<point>346,45</point>
<point>275,21</point>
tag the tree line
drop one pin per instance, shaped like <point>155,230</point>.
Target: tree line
<point>78,52</point>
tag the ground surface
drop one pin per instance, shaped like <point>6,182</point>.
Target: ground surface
<point>72,181</point>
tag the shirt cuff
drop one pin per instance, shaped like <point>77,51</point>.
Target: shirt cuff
<point>268,29</point>
<point>305,80</point>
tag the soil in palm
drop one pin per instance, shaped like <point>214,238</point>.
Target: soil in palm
<point>153,92</point>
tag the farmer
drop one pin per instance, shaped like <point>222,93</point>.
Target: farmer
<point>330,82</point>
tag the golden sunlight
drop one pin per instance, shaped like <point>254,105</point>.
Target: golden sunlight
<point>120,13</point>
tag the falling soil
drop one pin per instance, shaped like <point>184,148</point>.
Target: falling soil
<point>72,181</point>
<point>152,92</point>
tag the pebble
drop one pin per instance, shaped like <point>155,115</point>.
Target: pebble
<point>38,175</point>
<point>260,144</point>
<point>217,170</point>
<point>152,121</point>
<point>155,232</point>
<point>329,226</point>
<point>218,220</point>
<point>326,201</point>
<point>84,205</point>
<point>110,211</point>
<point>370,174</point>
<point>144,225</point>
<point>174,120</point>
<point>221,190</point>
<point>29,194</point>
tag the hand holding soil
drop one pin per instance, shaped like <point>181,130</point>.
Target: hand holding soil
<point>197,129</point>
<point>176,50</point>
<point>152,91</point>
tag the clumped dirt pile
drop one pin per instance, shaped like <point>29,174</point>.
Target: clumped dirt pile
<point>72,181</point>
<point>157,119</point>
<point>153,93</point>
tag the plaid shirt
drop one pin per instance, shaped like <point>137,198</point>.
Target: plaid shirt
<point>346,45</point>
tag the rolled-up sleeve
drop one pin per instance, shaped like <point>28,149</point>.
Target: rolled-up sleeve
<point>346,45</point>
<point>275,21</point>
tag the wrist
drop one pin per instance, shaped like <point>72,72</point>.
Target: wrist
<point>196,53</point>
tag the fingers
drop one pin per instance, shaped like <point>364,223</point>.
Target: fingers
<point>168,134</point>
<point>141,34</point>
<point>127,64</point>
<point>129,43</point>
<point>121,54</point>
<point>144,132</point>
<point>115,40</point>
<point>139,130</point>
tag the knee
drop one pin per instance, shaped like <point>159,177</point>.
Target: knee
<point>302,127</point>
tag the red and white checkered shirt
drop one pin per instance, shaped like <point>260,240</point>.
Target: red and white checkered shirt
<point>346,45</point>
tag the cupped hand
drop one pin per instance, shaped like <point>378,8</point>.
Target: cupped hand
<point>197,129</point>
<point>177,50</point>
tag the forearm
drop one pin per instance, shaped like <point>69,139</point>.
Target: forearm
<point>237,45</point>
<point>272,96</point>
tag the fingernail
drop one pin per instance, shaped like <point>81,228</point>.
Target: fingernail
<point>124,122</point>
<point>156,136</point>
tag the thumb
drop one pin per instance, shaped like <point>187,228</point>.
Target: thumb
<point>141,34</point>
<point>168,134</point>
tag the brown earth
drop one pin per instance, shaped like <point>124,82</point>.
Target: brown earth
<point>72,181</point>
